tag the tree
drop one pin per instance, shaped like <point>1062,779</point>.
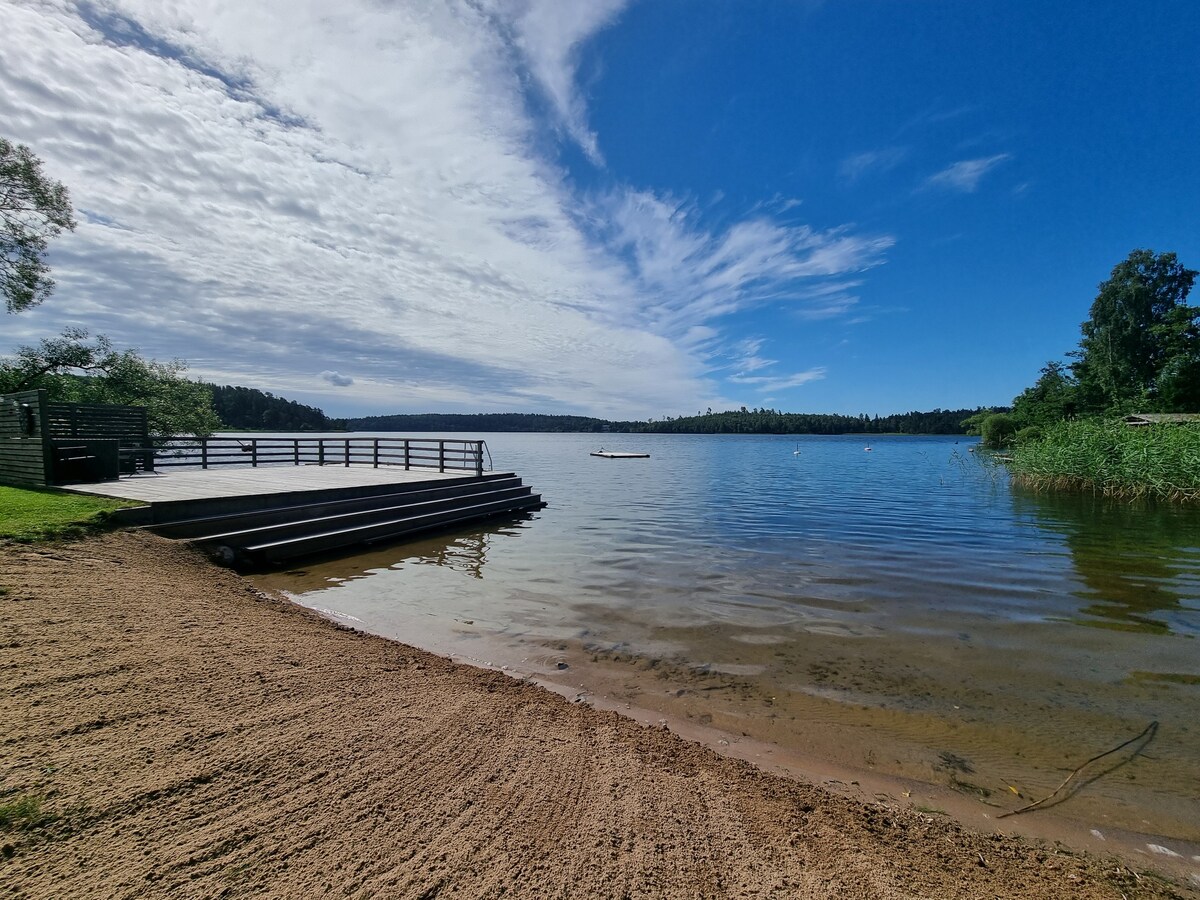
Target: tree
<point>971,426</point>
<point>33,209</point>
<point>1141,343</point>
<point>73,369</point>
<point>998,430</point>
<point>242,407</point>
<point>1053,397</point>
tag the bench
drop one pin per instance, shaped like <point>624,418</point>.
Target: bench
<point>85,459</point>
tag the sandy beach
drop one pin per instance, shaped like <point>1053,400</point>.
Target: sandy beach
<point>192,737</point>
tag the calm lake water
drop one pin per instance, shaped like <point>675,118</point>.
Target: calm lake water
<point>903,609</point>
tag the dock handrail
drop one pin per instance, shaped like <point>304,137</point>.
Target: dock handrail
<point>410,453</point>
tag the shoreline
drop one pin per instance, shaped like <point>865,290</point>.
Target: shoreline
<point>635,689</point>
<point>600,689</point>
<point>191,735</point>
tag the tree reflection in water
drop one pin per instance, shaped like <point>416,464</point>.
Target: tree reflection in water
<point>1138,563</point>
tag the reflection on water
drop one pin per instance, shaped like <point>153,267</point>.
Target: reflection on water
<point>1138,563</point>
<point>890,609</point>
<point>459,551</point>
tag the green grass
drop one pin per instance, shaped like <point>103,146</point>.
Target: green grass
<point>42,514</point>
<point>1154,462</point>
<point>23,813</point>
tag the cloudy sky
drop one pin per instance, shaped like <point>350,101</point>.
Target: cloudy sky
<point>627,208</point>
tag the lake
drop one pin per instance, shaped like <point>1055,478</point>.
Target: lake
<point>902,609</point>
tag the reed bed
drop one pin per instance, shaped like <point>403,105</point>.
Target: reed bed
<point>1113,459</point>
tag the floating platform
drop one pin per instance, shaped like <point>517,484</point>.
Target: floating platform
<point>261,515</point>
<point>613,454</point>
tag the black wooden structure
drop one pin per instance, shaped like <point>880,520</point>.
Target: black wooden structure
<point>44,443</point>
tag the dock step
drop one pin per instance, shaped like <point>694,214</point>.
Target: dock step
<point>268,528</point>
<point>272,551</point>
<point>294,507</point>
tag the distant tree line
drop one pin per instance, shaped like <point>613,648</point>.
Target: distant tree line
<point>740,421</point>
<point>771,421</point>
<point>481,422</point>
<point>255,410</point>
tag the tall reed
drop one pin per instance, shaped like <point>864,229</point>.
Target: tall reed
<point>1111,458</point>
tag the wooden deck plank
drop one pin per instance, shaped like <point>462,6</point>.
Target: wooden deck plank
<point>202,484</point>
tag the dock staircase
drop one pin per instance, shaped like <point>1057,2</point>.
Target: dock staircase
<point>267,528</point>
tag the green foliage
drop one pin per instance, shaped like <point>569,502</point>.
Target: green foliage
<point>972,424</point>
<point>33,209</point>
<point>1109,457</point>
<point>73,369</point>
<point>1054,397</point>
<point>254,410</point>
<point>1027,434</point>
<point>42,514</point>
<point>998,430</point>
<point>770,421</point>
<point>484,422</point>
<point>23,813</point>
<point>1140,349</point>
<point>742,421</point>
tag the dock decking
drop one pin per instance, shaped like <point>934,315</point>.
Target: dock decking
<point>211,484</point>
<point>262,515</point>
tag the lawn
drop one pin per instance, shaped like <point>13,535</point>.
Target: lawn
<point>36,514</point>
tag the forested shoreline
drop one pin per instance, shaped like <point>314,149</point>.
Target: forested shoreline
<point>250,409</point>
<point>742,421</point>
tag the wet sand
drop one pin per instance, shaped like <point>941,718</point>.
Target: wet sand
<point>192,737</point>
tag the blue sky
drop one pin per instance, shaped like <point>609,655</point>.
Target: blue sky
<point>627,208</point>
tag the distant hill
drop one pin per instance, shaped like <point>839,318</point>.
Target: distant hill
<point>255,410</point>
<point>743,421</point>
<point>479,422</point>
<point>770,421</point>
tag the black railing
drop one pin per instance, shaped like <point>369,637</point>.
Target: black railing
<point>410,453</point>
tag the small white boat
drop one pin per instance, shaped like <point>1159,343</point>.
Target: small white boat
<point>613,454</point>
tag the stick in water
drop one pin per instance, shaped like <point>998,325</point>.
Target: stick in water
<point>1148,730</point>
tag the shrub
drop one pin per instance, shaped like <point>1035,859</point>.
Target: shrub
<point>1109,457</point>
<point>998,430</point>
<point>1027,434</point>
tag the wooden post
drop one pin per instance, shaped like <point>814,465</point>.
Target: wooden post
<point>43,430</point>
<point>295,451</point>
<point>479,459</point>
<point>376,443</point>
<point>406,465</point>
<point>204,453</point>
<point>254,452</point>
<point>320,451</point>
<point>347,453</point>
<point>441,456</point>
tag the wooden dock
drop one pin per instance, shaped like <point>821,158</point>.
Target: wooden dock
<point>255,499</point>
<point>271,513</point>
<point>204,484</point>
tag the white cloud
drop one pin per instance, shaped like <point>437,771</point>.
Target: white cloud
<point>871,162</point>
<point>700,275</point>
<point>550,34</point>
<point>966,174</point>
<point>269,191</point>
<point>747,358</point>
<point>337,378</point>
<point>768,383</point>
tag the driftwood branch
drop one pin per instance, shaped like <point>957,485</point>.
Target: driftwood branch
<point>1147,732</point>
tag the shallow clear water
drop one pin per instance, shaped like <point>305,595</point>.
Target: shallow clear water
<point>904,608</point>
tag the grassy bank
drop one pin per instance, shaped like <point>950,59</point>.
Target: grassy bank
<point>32,514</point>
<point>1110,458</point>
